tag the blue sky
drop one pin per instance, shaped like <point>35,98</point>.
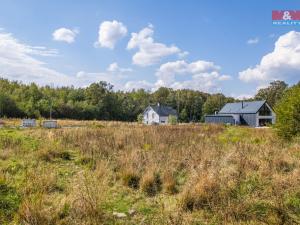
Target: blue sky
<point>213,46</point>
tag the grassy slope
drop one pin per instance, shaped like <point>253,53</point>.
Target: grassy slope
<point>185,174</point>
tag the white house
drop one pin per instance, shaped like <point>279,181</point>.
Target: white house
<point>158,114</point>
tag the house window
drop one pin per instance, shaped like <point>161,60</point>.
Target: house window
<point>264,122</point>
<point>162,121</point>
<point>265,111</point>
<point>153,115</point>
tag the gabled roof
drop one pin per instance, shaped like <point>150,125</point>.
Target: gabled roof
<point>242,107</point>
<point>164,110</point>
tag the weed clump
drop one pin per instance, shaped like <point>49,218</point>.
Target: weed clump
<point>9,202</point>
<point>131,179</point>
<point>170,183</point>
<point>151,184</point>
<point>205,194</point>
<point>51,155</point>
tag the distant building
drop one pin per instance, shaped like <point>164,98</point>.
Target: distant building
<point>28,123</point>
<point>50,124</point>
<point>253,113</point>
<point>158,114</point>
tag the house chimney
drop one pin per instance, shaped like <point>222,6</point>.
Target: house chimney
<point>158,104</point>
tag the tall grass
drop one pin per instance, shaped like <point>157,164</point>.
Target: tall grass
<point>182,174</point>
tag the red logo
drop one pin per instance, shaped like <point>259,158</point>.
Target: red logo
<point>286,15</point>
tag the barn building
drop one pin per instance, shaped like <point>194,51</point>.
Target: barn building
<point>252,113</point>
<point>158,114</point>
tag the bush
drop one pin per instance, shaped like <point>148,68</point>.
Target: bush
<point>172,120</point>
<point>288,113</point>
<point>140,118</point>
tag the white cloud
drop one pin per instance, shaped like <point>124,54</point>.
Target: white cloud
<point>199,75</point>
<point>149,52</point>
<point>109,33</point>
<point>282,63</point>
<point>142,84</point>
<point>113,74</point>
<point>242,96</point>
<point>183,54</point>
<point>253,41</point>
<point>19,61</point>
<point>65,35</point>
<point>114,67</point>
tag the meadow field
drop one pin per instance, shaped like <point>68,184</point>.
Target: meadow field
<point>128,173</point>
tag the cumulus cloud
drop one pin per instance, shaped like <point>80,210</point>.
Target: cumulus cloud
<point>142,84</point>
<point>109,33</point>
<point>65,35</point>
<point>283,63</point>
<point>150,52</point>
<point>19,61</point>
<point>183,54</point>
<point>198,75</point>
<point>242,96</point>
<point>114,67</point>
<point>113,74</point>
<point>253,41</point>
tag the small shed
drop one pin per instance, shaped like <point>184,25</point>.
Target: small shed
<point>50,124</point>
<point>28,123</point>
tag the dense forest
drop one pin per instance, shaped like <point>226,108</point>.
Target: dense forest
<point>99,101</point>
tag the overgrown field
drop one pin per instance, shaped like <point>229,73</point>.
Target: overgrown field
<point>122,173</point>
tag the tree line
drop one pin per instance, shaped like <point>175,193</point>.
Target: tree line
<point>99,101</point>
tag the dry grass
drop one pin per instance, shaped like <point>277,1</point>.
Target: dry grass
<point>183,174</point>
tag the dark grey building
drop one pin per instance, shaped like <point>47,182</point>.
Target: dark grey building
<point>254,114</point>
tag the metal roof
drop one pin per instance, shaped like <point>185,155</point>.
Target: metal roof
<point>242,107</point>
<point>219,115</point>
<point>164,110</point>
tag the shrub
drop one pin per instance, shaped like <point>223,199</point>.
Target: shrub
<point>288,113</point>
<point>140,118</point>
<point>151,184</point>
<point>172,120</point>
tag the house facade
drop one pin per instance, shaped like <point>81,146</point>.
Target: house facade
<point>252,113</point>
<point>158,114</point>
